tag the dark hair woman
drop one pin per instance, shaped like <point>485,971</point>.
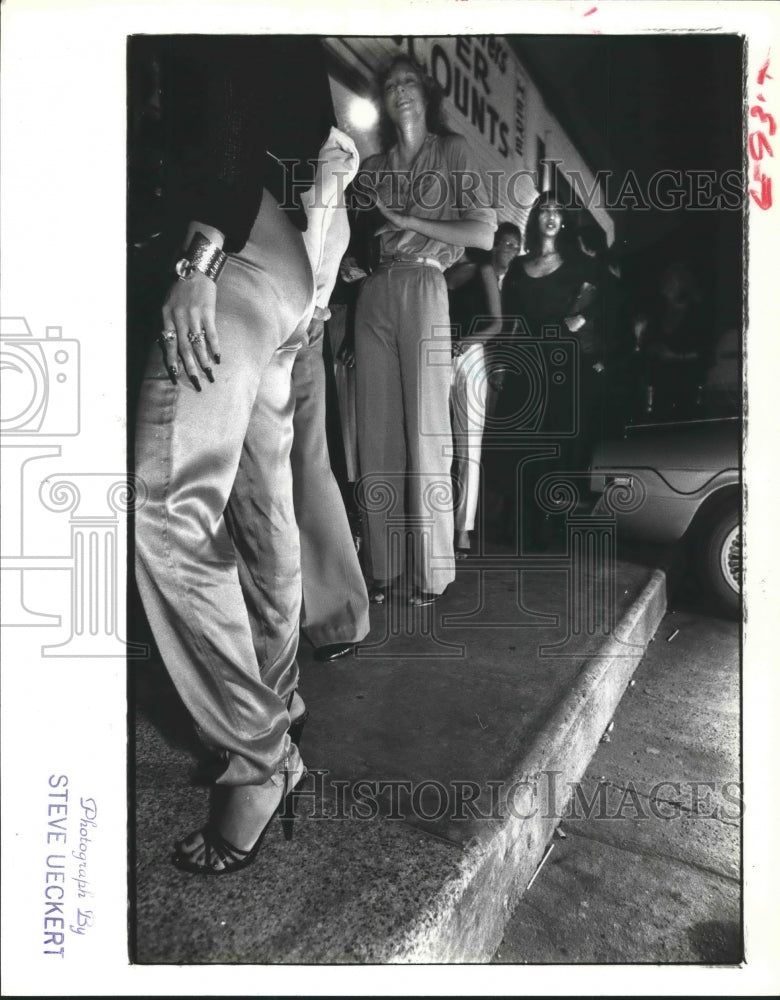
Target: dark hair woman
<point>430,211</point>
<point>548,288</point>
<point>550,253</point>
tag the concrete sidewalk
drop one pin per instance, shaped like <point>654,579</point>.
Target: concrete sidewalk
<point>646,862</point>
<point>432,801</point>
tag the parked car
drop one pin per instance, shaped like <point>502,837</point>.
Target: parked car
<point>680,481</point>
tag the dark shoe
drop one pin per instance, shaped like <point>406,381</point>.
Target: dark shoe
<point>420,598</point>
<point>233,859</point>
<point>379,593</point>
<point>324,654</point>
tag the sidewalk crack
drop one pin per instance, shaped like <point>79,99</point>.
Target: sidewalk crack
<point>645,852</point>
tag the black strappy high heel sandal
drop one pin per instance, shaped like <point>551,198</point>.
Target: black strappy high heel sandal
<point>233,858</point>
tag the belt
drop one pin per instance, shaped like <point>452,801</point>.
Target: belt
<point>411,259</point>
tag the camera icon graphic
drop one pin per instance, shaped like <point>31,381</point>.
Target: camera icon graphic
<point>540,378</point>
<point>39,379</point>
<point>541,391</point>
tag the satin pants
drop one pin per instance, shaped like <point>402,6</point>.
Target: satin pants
<point>403,365</point>
<point>335,600</point>
<point>469,400</point>
<point>222,588</point>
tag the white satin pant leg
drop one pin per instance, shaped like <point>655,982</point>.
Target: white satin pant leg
<point>469,402</point>
<point>191,449</point>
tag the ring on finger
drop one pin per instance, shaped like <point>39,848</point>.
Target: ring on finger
<point>168,335</point>
<point>194,338</point>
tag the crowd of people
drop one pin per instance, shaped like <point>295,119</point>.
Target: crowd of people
<point>430,311</point>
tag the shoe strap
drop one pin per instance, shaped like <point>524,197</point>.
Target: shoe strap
<point>226,852</point>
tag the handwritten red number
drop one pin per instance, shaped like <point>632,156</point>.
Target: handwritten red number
<point>757,112</point>
<point>758,142</point>
<point>763,74</point>
<point>764,198</point>
<point>757,147</point>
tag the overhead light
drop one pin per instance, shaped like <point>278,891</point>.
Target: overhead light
<point>362,113</point>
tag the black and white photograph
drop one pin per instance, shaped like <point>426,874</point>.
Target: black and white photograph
<point>388,467</point>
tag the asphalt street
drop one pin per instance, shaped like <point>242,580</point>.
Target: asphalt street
<point>645,865</point>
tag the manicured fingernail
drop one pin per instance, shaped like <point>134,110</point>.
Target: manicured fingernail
<point>173,371</point>
<point>217,358</point>
<point>209,374</point>
<point>196,382</point>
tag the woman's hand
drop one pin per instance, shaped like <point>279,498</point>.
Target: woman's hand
<point>350,270</point>
<point>574,323</point>
<point>189,326</point>
<point>189,310</point>
<point>394,218</point>
<point>346,354</point>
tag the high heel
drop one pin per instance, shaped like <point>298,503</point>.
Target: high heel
<point>296,728</point>
<point>287,813</point>
<point>296,725</point>
<point>232,858</point>
<point>287,805</point>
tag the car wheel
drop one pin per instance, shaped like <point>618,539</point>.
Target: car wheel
<point>720,559</point>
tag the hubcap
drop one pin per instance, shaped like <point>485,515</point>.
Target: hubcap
<point>731,558</point>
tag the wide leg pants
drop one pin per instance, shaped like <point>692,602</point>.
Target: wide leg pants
<point>335,600</point>
<point>234,665</point>
<point>403,364</point>
<point>469,401</point>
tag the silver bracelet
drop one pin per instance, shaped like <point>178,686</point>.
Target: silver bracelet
<point>203,256</point>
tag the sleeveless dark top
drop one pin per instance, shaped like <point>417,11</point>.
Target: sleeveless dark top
<point>540,302</point>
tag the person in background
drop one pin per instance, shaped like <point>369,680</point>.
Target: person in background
<point>673,334</point>
<point>507,245</point>
<point>607,408</point>
<point>426,215</point>
<point>549,288</point>
<point>475,314</point>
